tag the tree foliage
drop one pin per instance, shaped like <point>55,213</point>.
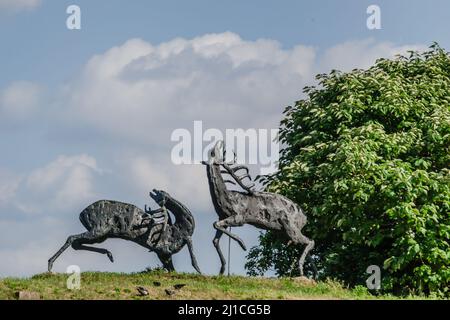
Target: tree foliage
<point>366,155</point>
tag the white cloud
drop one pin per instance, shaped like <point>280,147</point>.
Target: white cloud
<point>18,5</point>
<point>43,178</point>
<point>20,100</point>
<point>142,92</point>
<point>64,183</point>
<point>361,54</point>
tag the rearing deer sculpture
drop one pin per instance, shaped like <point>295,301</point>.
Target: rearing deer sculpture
<point>264,210</point>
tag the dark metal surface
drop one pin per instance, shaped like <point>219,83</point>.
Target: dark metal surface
<point>264,210</point>
<point>152,229</point>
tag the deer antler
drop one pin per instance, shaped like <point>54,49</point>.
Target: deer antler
<point>229,181</point>
<point>232,172</point>
<point>232,161</point>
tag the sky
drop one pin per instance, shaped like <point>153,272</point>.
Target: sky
<point>88,114</point>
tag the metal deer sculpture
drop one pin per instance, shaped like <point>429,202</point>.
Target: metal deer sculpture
<point>263,210</point>
<point>152,229</point>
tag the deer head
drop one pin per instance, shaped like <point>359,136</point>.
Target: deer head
<point>217,156</point>
<point>159,196</point>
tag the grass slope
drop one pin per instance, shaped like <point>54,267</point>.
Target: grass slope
<point>99,285</point>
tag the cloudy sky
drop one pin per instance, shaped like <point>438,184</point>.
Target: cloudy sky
<point>88,114</point>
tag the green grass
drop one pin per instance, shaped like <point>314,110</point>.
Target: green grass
<point>101,285</point>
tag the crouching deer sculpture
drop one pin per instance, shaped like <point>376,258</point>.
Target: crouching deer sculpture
<point>263,210</point>
<point>151,229</point>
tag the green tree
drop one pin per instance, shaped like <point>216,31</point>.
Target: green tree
<point>366,155</point>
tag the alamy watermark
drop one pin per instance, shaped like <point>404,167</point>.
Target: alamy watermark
<point>74,280</point>
<point>374,20</point>
<point>250,146</point>
<point>374,281</point>
<point>73,21</point>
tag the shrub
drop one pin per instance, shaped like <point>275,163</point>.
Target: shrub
<point>366,155</point>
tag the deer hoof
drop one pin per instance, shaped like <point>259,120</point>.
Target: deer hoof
<point>243,246</point>
<point>222,270</point>
<point>110,256</point>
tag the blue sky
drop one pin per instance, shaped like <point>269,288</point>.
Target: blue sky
<point>38,38</point>
<point>81,120</point>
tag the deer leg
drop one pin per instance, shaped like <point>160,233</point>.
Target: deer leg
<point>296,237</point>
<point>78,245</point>
<point>233,221</point>
<point>166,261</point>
<point>191,252</point>
<point>216,242</point>
<point>309,246</point>
<point>68,243</point>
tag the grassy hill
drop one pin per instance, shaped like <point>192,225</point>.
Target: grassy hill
<point>98,285</point>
